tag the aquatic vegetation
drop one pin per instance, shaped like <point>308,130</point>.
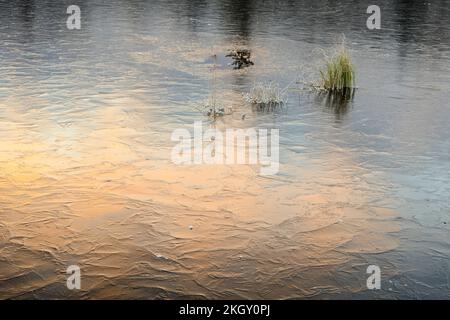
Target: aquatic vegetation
<point>210,107</point>
<point>266,95</point>
<point>241,58</point>
<point>338,75</point>
<point>213,111</point>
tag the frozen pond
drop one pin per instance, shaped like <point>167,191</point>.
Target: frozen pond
<point>86,178</point>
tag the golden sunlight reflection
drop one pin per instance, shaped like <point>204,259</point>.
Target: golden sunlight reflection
<point>96,192</point>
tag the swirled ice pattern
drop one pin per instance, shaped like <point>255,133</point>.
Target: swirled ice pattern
<point>85,172</point>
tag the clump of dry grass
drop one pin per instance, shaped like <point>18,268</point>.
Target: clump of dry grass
<point>338,75</point>
<point>266,95</point>
<point>241,58</point>
<point>210,107</point>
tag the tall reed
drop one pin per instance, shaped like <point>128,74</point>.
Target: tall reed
<point>338,74</point>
